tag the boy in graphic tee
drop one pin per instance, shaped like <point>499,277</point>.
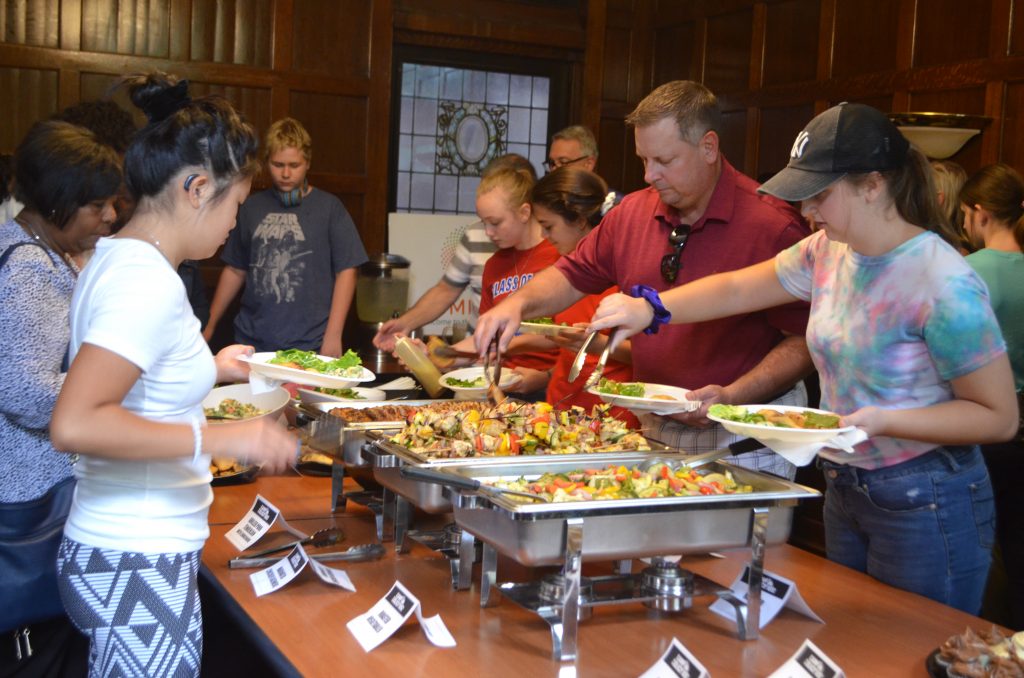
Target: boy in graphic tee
<point>295,250</point>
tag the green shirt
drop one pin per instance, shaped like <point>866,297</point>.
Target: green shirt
<point>1003,272</point>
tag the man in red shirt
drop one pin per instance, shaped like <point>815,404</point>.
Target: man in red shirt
<point>698,216</point>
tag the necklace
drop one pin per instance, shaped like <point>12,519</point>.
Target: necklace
<point>515,261</point>
<point>44,241</point>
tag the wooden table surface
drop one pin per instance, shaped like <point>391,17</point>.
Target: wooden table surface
<point>870,630</point>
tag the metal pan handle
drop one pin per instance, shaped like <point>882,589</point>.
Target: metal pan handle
<point>438,478</point>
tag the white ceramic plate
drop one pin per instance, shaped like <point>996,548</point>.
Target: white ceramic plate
<point>767,434</point>
<point>312,396</point>
<point>273,402</point>
<point>678,403</point>
<point>258,363</point>
<point>508,378</point>
<point>547,330</point>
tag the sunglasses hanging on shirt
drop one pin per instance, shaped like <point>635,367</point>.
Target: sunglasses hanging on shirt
<point>672,262</point>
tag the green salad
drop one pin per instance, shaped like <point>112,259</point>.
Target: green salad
<point>466,383</point>
<point>633,389</point>
<point>769,417</point>
<point>349,365</point>
<point>545,320</point>
<point>347,393</point>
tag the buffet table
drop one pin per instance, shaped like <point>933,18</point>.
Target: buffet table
<point>871,629</point>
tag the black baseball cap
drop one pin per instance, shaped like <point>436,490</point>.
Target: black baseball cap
<point>845,139</point>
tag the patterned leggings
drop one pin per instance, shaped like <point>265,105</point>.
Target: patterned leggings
<point>140,611</point>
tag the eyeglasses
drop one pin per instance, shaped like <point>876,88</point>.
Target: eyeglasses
<point>672,262</point>
<point>552,165</point>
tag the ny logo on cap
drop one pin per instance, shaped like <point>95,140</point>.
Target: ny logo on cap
<point>798,146</point>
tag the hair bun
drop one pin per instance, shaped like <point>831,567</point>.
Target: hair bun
<point>162,100</point>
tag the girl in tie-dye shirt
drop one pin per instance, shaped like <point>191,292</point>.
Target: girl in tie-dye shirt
<point>906,345</point>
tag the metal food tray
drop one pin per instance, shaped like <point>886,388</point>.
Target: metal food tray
<point>533,533</point>
<point>388,458</point>
<point>352,435</point>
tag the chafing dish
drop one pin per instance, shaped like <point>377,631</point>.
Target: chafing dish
<point>620,529</point>
<point>533,533</point>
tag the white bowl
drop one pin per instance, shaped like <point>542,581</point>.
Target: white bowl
<point>259,363</point>
<point>508,378</point>
<point>273,402</point>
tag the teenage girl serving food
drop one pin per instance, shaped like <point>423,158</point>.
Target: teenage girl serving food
<point>131,404</point>
<point>906,344</point>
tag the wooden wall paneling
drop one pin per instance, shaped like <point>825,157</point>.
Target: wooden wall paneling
<point>732,138</point>
<point>593,68</point>
<point>1016,28</point>
<point>615,83</point>
<point>338,126</point>
<point>641,52</point>
<point>331,37</point>
<point>180,47</point>
<point>232,31</point>
<point>791,41</point>
<point>1012,127</point>
<point>727,51</point>
<point>24,22</point>
<point>751,145</point>
<point>375,197</point>
<point>93,86</point>
<point>778,129</point>
<point>951,31</point>
<point>68,87</point>
<point>252,102</point>
<point>674,53</point>
<point>992,136</point>
<point>124,27</point>
<point>70,25</point>
<point>865,37</point>
<point>29,94</point>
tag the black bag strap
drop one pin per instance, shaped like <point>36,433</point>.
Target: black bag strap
<point>10,250</point>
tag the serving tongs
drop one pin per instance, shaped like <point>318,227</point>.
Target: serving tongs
<point>353,554</point>
<point>697,460</point>
<point>328,536</point>
<point>462,483</point>
<point>495,395</point>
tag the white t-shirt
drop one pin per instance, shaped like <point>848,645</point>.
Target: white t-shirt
<point>130,301</point>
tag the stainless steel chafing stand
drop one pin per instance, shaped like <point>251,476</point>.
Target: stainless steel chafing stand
<point>564,533</point>
<point>459,546</point>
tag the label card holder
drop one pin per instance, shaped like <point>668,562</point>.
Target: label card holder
<point>776,593</point>
<point>676,662</point>
<point>389,613</point>
<point>256,523</point>
<point>288,568</point>
<point>808,662</point>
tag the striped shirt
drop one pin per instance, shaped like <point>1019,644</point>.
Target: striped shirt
<point>467,264</point>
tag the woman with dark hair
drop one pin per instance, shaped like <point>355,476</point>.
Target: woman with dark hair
<point>569,202</point>
<point>992,202</point>
<point>906,344</point>
<point>131,403</point>
<point>67,181</point>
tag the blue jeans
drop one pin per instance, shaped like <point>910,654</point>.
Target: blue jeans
<point>926,525</point>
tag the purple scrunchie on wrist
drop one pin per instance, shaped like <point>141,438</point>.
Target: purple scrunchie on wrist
<point>661,314</point>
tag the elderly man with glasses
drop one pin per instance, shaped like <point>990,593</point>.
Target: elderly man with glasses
<point>574,145</point>
<point>698,216</point>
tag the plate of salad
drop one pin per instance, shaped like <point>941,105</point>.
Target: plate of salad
<point>640,396</point>
<point>470,383</point>
<point>322,394</point>
<point>779,423</point>
<point>310,369</point>
<point>547,326</point>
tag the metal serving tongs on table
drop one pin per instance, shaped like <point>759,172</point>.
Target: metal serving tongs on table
<point>355,553</point>
<point>581,358</point>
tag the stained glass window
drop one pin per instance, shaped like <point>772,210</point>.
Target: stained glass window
<point>453,121</point>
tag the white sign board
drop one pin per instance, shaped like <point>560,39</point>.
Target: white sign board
<point>427,241</point>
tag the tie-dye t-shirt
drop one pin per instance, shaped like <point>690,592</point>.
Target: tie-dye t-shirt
<point>890,331</point>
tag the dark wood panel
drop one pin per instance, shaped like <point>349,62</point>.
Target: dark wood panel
<point>338,127</point>
<point>791,41</point>
<point>1012,151</point>
<point>254,103</point>
<point>865,37</point>
<point>30,23</point>
<point>141,27</point>
<point>617,64</point>
<point>727,53</point>
<point>674,53</point>
<point>27,96</point>
<point>778,129</point>
<point>732,138</point>
<point>950,31</point>
<point>232,31</point>
<point>330,36</point>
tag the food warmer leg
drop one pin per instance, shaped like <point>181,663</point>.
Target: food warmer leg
<point>564,600</point>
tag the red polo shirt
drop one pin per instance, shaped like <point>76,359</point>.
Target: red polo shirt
<point>738,228</point>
